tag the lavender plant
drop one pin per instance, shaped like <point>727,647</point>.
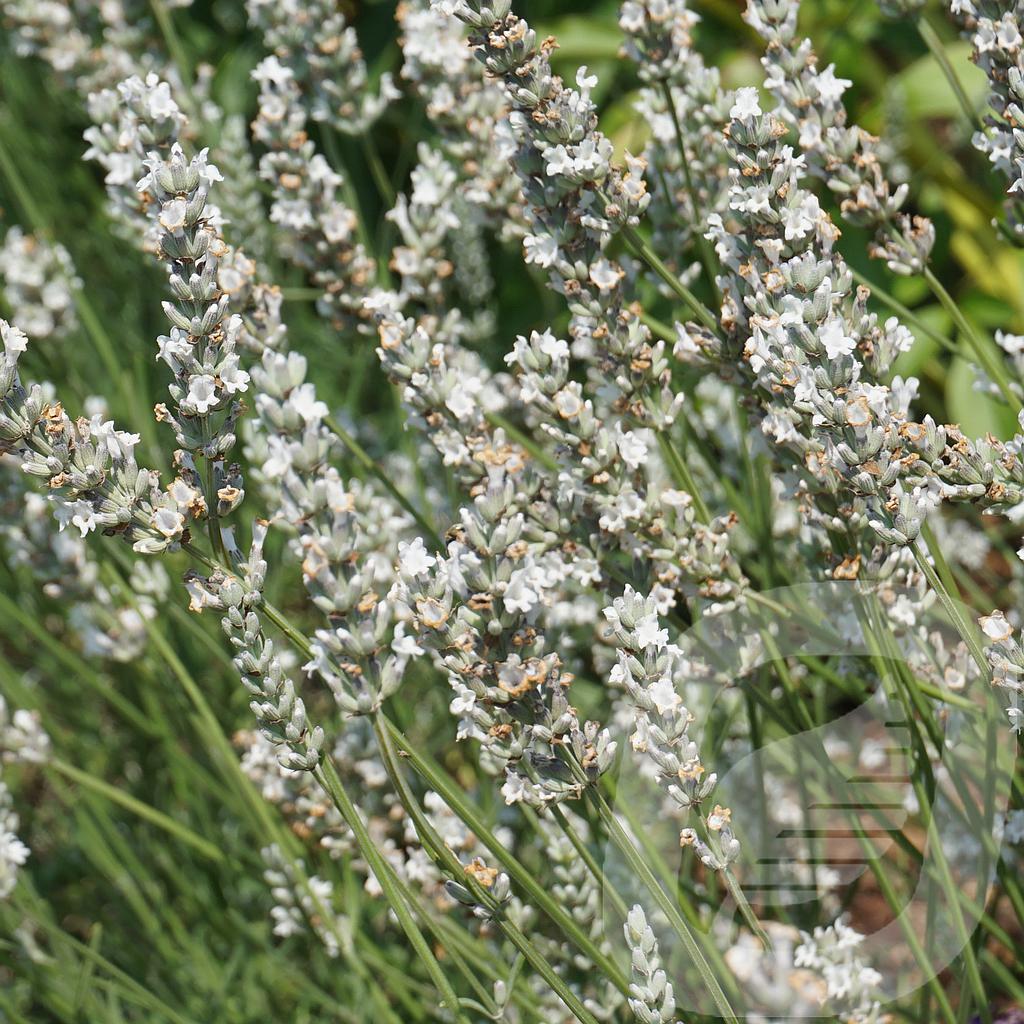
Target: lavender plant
<point>515,405</point>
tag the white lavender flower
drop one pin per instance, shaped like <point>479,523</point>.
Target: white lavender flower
<point>851,983</point>
<point>304,902</point>
<point>91,46</point>
<point>687,109</point>
<point>844,156</point>
<point>995,30</point>
<point>279,711</point>
<point>322,230</point>
<point>1005,658</point>
<point>22,738</point>
<point>323,54</point>
<point>13,852</point>
<point>445,390</point>
<point>239,197</point>
<point>37,283</point>
<point>646,669</point>
<point>479,607</point>
<point>201,349</point>
<point>131,123</point>
<point>577,200</point>
<point>788,307</point>
<point>652,998</point>
<point>611,474</point>
<point>468,110</point>
<point>93,478</point>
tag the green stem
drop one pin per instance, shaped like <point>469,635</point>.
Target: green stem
<point>651,258</point>
<point>990,363</point>
<point>142,994</point>
<point>934,43</point>
<point>706,254</point>
<point>1006,977</point>
<point>521,875</point>
<point>909,934</point>
<point>681,474</point>
<point>371,466</point>
<point>376,165</point>
<point>137,807</point>
<point>965,628</point>
<point>451,865</point>
<point>905,312</point>
<point>667,905</point>
<point>880,635</point>
<point>329,779</point>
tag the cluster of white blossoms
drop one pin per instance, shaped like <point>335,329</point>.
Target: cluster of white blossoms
<point>279,711</point>
<point>13,852</point>
<point>22,741</point>
<point>22,738</point>
<point>686,107</point>
<point>132,121</point>
<point>446,391</point>
<point>89,465</point>
<point>647,669</point>
<point>844,156</point>
<point>468,110</point>
<point>610,475</point>
<point>303,902</point>
<point>816,353</point>
<point>477,146</point>
<point>91,45</point>
<point>320,229</point>
<point>578,201</point>
<point>440,231</point>
<point>480,608</point>
<point>851,983</point>
<point>564,514</point>
<point>201,348</point>
<point>37,278</point>
<point>651,997</point>
<point>106,619</point>
<point>312,39</point>
<point>1006,662</point>
<point>349,539</point>
<point>239,196</point>
<point>996,30</point>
